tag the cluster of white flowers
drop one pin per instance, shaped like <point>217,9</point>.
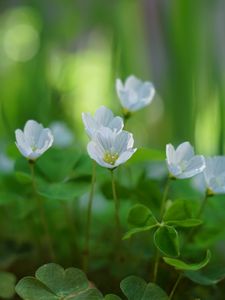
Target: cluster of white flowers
<point>110,145</point>
<point>183,163</point>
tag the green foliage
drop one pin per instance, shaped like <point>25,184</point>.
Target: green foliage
<point>141,219</point>
<point>57,167</point>
<point>7,285</point>
<point>207,276</point>
<point>146,154</point>
<point>52,282</point>
<point>135,288</point>
<point>166,240</point>
<point>62,191</point>
<point>181,265</point>
<point>140,215</point>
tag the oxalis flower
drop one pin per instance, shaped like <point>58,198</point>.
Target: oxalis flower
<point>103,117</point>
<point>182,162</point>
<point>214,175</point>
<point>134,94</point>
<point>111,149</point>
<point>34,140</point>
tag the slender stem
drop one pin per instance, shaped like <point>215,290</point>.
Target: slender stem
<point>117,206</point>
<point>164,198</point>
<point>89,217</point>
<point>156,266</point>
<point>162,209</point>
<point>175,286</point>
<point>202,207</point>
<point>42,213</point>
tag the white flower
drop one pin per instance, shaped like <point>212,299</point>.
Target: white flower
<point>63,137</point>
<point>111,149</point>
<point>214,174</point>
<point>34,140</point>
<point>134,94</point>
<point>103,117</point>
<point>182,162</point>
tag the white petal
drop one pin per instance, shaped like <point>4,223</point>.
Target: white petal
<point>174,169</point>
<point>103,116</point>
<point>132,83</point>
<point>147,91</point>
<point>195,166</point>
<point>105,138</point>
<point>119,85</point>
<point>170,154</point>
<point>32,131</point>
<point>21,144</point>
<point>116,124</point>
<point>20,139</point>
<point>184,152</point>
<point>45,140</point>
<point>217,184</point>
<point>96,154</point>
<point>125,156</point>
<point>89,124</point>
<point>23,150</point>
<point>123,141</point>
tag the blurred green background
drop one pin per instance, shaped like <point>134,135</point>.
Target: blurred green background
<point>59,58</point>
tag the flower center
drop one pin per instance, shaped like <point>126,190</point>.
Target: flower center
<point>110,158</point>
<point>33,148</point>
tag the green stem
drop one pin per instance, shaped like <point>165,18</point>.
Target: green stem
<point>89,217</point>
<point>175,286</point>
<point>42,213</point>
<point>156,266</point>
<point>162,209</point>
<point>117,206</point>
<point>164,198</point>
<point>202,207</point>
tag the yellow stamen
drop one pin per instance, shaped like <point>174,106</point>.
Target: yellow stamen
<point>110,158</point>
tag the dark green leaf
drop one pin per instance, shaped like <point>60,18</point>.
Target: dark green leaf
<point>52,282</point>
<point>140,215</point>
<point>137,230</point>
<point>181,209</point>
<point>209,276</point>
<point>181,265</point>
<point>32,289</point>
<point>62,191</point>
<point>167,241</point>
<point>135,288</point>
<point>57,164</point>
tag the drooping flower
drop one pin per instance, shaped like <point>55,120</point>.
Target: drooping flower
<point>103,117</point>
<point>182,162</point>
<point>110,148</point>
<point>134,94</point>
<point>214,175</point>
<point>34,140</point>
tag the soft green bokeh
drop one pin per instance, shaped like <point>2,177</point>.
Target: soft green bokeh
<point>61,58</point>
